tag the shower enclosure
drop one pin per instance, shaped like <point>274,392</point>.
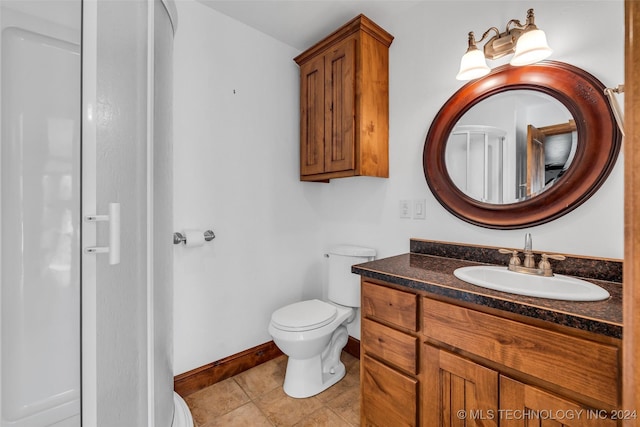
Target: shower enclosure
<point>86,196</point>
<point>475,160</point>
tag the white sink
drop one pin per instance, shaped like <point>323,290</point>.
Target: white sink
<point>557,287</point>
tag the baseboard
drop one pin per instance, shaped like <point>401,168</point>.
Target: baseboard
<point>204,376</point>
<point>353,347</point>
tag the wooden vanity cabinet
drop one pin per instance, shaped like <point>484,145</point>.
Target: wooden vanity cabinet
<point>541,375</point>
<point>460,392</point>
<point>474,368</point>
<point>389,364</point>
<point>344,103</point>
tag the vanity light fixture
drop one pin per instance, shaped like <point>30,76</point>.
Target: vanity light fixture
<point>527,43</point>
<point>615,107</point>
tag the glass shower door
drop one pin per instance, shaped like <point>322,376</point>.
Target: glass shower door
<point>114,297</point>
<point>127,299</point>
<point>60,183</point>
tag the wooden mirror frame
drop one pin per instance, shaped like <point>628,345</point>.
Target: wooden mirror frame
<point>599,140</point>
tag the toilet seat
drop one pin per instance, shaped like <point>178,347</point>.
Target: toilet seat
<point>304,316</point>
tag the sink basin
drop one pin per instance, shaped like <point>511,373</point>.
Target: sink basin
<point>557,287</point>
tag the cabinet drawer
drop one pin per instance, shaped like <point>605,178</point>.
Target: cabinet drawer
<point>390,398</point>
<point>588,368</point>
<point>392,346</point>
<point>390,305</point>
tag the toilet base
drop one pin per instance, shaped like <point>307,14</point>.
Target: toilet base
<point>181,415</point>
<point>304,378</point>
<point>308,377</point>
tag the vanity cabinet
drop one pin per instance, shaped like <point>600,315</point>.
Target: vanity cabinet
<point>480,367</point>
<point>572,363</point>
<point>344,103</point>
<point>390,362</point>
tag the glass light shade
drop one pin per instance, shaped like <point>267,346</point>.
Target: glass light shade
<point>473,65</point>
<point>531,47</point>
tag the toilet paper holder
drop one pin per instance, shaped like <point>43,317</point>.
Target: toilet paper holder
<point>181,238</point>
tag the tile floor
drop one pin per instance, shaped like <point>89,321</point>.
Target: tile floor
<point>255,398</point>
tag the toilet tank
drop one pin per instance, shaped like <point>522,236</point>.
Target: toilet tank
<point>344,286</point>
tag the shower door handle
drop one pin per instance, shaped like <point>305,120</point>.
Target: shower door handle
<point>114,234</point>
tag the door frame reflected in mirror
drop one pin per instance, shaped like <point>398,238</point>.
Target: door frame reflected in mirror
<point>537,181</point>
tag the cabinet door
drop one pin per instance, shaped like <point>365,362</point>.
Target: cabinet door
<point>312,110</point>
<point>340,63</point>
<point>457,392</point>
<point>523,405</point>
<point>389,398</point>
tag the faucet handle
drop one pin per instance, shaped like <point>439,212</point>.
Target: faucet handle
<point>544,264</point>
<point>514,260</point>
<point>554,256</point>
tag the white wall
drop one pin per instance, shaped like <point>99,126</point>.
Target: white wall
<point>236,162</point>
<point>236,172</point>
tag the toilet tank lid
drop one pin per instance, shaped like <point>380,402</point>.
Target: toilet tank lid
<point>351,250</point>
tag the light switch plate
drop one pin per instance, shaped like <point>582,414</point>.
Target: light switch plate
<point>419,208</point>
<point>405,209</point>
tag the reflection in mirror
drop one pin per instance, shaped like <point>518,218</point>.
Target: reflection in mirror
<point>511,146</point>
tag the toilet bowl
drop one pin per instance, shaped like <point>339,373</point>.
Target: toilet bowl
<point>313,333</point>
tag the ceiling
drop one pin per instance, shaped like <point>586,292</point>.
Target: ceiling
<point>302,23</point>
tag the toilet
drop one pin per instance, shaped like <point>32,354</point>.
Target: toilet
<point>314,332</point>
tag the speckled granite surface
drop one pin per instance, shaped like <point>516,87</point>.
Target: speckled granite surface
<point>434,274</point>
<point>590,268</point>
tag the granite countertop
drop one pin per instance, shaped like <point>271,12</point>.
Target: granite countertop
<point>434,274</point>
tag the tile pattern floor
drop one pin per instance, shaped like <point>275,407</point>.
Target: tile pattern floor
<point>255,398</point>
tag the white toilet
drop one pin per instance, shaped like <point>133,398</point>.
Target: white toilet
<point>313,333</point>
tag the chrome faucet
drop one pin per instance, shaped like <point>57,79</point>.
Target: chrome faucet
<point>529,265</point>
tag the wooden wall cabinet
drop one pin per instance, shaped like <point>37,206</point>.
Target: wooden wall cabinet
<point>344,103</point>
<point>456,366</point>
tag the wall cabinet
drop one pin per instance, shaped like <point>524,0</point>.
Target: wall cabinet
<point>344,103</point>
<point>468,367</point>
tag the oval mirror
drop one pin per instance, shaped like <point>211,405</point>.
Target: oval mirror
<point>522,145</point>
